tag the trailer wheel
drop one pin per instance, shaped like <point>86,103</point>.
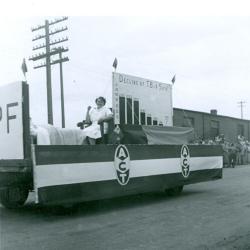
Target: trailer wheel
<point>13,197</point>
<point>174,191</point>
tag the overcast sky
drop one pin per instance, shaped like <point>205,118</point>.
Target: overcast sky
<point>209,55</point>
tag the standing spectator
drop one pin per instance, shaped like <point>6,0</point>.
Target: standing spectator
<point>248,152</point>
<point>242,150</point>
<point>232,155</point>
<point>244,153</point>
<point>238,154</point>
<point>225,154</point>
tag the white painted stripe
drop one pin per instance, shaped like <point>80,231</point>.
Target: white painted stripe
<point>202,163</point>
<point>60,174</point>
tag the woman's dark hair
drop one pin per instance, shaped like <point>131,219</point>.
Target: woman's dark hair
<point>101,98</point>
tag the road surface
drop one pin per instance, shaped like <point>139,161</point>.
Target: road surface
<point>209,215</point>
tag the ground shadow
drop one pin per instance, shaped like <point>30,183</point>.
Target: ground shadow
<point>98,206</point>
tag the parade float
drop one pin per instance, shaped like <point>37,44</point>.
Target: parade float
<point>144,152</point>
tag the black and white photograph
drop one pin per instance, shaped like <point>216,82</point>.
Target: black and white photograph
<point>125,125</point>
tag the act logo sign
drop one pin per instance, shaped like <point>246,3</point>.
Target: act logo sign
<point>122,164</point>
<point>185,161</point>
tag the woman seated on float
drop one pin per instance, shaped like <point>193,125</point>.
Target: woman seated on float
<point>98,118</point>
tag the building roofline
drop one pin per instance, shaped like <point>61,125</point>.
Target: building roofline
<point>206,113</point>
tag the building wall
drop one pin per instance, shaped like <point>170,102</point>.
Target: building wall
<point>207,125</point>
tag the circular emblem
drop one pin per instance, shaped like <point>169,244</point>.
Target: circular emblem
<point>122,164</point>
<point>185,161</point>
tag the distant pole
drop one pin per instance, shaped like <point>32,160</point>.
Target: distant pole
<point>62,91</point>
<point>48,74</point>
<point>241,105</point>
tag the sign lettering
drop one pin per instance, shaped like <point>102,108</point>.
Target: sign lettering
<point>122,164</point>
<point>11,121</point>
<point>10,117</point>
<point>185,161</point>
<point>132,95</point>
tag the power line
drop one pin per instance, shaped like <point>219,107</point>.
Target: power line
<point>48,32</point>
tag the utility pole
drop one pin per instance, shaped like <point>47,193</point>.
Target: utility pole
<point>48,62</point>
<point>241,105</point>
<point>62,91</point>
<point>48,75</point>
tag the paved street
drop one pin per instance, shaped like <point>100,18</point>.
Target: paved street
<point>210,215</point>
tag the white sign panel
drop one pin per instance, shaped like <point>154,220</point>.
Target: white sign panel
<point>11,122</point>
<point>141,101</point>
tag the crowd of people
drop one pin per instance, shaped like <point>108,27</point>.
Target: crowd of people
<point>234,153</point>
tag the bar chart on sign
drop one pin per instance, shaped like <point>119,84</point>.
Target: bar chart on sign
<point>140,101</point>
<point>132,112</point>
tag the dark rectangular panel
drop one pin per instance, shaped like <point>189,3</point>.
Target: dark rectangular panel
<point>143,117</point>
<point>129,110</point>
<point>149,120</point>
<point>136,112</point>
<point>103,153</point>
<point>155,122</point>
<point>122,109</point>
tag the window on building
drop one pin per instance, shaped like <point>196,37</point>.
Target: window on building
<point>240,129</point>
<point>214,129</point>
<point>188,122</point>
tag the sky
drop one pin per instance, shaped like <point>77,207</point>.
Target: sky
<point>210,56</point>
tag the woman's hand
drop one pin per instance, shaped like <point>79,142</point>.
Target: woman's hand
<point>88,109</point>
<point>101,120</point>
